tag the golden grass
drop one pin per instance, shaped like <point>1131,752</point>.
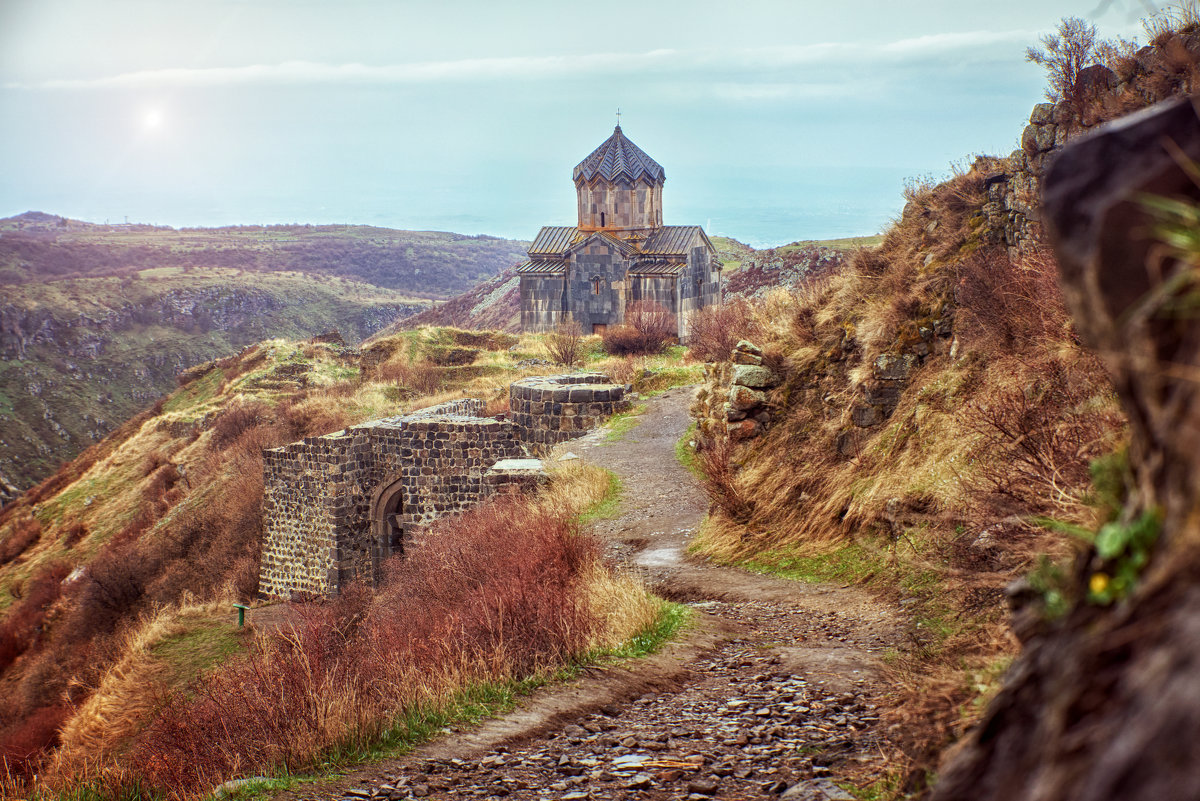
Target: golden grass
<point>130,689</point>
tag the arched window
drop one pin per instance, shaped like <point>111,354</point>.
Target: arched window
<point>596,285</point>
<point>601,219</point>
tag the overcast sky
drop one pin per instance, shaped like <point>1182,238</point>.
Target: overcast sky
<point>774,120</point>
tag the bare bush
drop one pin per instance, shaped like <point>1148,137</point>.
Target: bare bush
<point>648,328</point>
<point>714,331</point>
<point>1006,306</point>
<point>719,477</point>
<point>565,344</point>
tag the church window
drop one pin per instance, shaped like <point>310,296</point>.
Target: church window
<point>596,285</point>
<point>601,219</point>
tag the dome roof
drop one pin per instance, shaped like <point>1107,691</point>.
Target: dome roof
<point>616,157</point>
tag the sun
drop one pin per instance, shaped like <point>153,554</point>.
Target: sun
<point>152,119</point>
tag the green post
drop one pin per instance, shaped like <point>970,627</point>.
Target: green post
<point>241,613</point>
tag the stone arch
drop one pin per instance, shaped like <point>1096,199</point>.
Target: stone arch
<point>387,533</point>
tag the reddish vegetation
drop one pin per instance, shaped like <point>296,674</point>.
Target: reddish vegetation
<point>714,330</point>
<point>648,328</point>
<point>469,601</point>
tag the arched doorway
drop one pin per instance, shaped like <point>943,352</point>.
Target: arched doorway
<point>387,531</point>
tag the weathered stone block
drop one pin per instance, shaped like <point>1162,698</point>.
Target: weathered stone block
<point>754,376</point>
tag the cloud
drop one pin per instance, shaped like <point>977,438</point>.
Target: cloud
<point>704,64</point>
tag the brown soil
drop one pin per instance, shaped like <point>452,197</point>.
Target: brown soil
<point>774,687</point>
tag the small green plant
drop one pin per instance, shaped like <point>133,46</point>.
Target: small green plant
<point>1125,551</point>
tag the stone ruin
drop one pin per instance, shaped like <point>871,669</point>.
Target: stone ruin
<point>336,506</point>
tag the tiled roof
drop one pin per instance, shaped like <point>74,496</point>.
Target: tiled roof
<point>553,239</point>
<point>658,268</point>
<point>542,267</point>
<point>672,240</point>
<point>618,156</point>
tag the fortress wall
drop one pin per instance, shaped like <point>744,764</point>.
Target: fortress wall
<point>546,410</point>
<point>317,494</point>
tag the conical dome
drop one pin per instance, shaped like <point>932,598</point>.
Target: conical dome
<point>618,157</point>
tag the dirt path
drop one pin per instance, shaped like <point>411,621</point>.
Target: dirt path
<point>772,690</point>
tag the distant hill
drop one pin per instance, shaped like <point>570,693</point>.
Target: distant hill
<point>35,246</point>
<point>78,357</point>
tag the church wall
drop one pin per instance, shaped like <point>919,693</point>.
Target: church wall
<point>589,308</point>
<point>660,289</point>
<point>541,302</point>
<point>700,286</point>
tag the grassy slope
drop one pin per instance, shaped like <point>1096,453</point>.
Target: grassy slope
<point>97,505</point>
<point>115,344</point>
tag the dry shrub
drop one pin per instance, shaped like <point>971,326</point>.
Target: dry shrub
<point>1040,439</point>
<point>21,536</point>
<point>443,356</point>
<point>414,378</point>
<point>24,743</point>
<point>719,477</point>
<point>713,331</point>
<point>236,419</point>
<point>564,344</point>
<point>648,329</point>
<point>493,593</point>
<point>23,621</point>
<point>1005,307</point>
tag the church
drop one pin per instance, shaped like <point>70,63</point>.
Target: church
<point>620,253</point>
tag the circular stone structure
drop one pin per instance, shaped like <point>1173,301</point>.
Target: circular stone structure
<point>550,409</point>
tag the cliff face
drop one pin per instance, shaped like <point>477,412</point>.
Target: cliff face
<point>78,360</point>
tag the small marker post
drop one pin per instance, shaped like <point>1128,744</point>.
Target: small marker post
<point>241,614</point>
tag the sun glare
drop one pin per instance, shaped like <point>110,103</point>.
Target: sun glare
<point>152,119</point>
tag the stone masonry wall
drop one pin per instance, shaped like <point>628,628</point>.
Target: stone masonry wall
<point>318,532</point>
<point>546,410</point>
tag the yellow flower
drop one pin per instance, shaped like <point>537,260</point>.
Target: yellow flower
<point>1098,583</point>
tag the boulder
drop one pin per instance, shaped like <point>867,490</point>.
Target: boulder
<point>755,376</point>
<point>893,368</point>
<point>742,398</point>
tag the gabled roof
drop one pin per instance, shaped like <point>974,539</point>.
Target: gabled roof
<point>627,249</point>
<point>616,157</point>
<point>553,239</point>
<point>670,240</point>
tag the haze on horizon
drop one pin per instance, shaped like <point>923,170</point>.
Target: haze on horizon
<point>775,121</point>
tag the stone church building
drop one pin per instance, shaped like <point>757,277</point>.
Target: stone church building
<point>619,253</point>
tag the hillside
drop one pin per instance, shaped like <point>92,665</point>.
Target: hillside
<point>929,423</point>
<point>78,357</point>
<point>431,264</point>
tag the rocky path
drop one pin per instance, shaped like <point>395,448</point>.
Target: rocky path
<point>774,690</point>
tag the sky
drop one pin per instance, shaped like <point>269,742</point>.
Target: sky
<point>774,120</point>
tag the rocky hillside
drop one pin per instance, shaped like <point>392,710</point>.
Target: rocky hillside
<point>78,357</point>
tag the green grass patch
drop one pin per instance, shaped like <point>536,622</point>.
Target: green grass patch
<point>656,381</point>
<point>671,618</point>
<point>621,424</point>
<point>685,451</point>
<point>606,507</point>
<point>850,564</point>
<point>194,652</point>
<point>200,391</point>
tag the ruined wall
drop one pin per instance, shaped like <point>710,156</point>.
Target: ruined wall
<point>546,410</point>
<point>318,531</point>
